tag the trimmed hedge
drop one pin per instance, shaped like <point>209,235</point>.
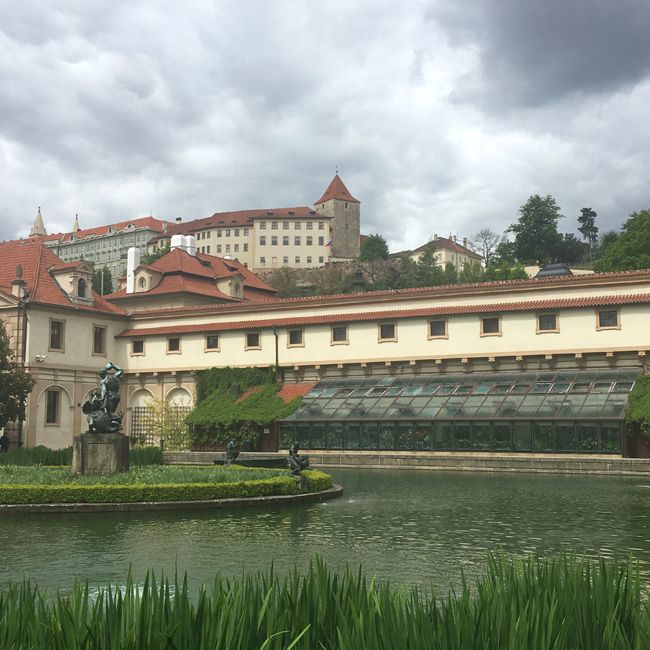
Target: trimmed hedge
<point>40,455</point>
<point>317,481</point>
<point>119,493</point>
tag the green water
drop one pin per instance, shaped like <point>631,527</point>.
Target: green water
<point>410,527</point>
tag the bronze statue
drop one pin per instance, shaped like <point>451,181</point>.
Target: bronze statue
<point>101,408</point>
<point>297,463</point>
<point>232,451</point>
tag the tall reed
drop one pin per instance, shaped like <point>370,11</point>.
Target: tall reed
<point>533,603</point>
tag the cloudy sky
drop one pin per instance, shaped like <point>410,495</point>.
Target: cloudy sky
<point>442,116</point>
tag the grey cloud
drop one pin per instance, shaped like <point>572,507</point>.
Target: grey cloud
<point>533,52</point>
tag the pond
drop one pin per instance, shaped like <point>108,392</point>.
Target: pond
<point>408,526</point>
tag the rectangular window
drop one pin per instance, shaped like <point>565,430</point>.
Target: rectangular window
<point>262,260</point>
<point>296,338</point>
<point>547,323</point>
<point>212,342</point>
<point>227,233</point>
<point>387,332</point>
<point>321,225</point>
<point>285,225</point>
<point>285,259</point>
<point>274,225</point>
<point>297,225</point>
<point>207,248</point>
<point>218,248</point>
<point>236,248</point>
<point>52,407</point>
<point>321,241</point>
<point>253,341</point>
<point>607,319</point>
<point>245,232</point>
<point>491,326</point>
<point>218,233</point>
<point>262,225</point>
<point>308,259</point>
<point>296,241</point>
<point>274,240</point>
<point>309,225</point>
<point>321,260</point>
<point>137,346</point>
<point>99,340</point>
<point>227,248</point>
<point>262,240</point>
<point>285,241</point>
<point>173,345</point>
<point>245,248</point>
<point>310,241</point>
<point>57,333</point>
<point>438,329</point>
<point>297,259</point>
<point>339,334</point>
<point>236,232</point>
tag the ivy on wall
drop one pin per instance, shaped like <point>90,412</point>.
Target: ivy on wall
<point>638,407</point>
<point>219,416</point>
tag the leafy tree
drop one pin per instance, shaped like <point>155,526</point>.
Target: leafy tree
<point>588,228</point>
<point>638,406</point>
<point>472,272</point>
<point>149,258</point>
<point>504,255</point>
<point>631,249</point>
<point>571,249</point>
<point>285,281</point>
<point>164,421</point>
<point>407,273</point>
<point>428,272</point>
<point>102,281</point>
<point>333,278</point>
<point>373,247</point>
<point>485,242</point>
<point>15,383</point>
<point>536,235</point>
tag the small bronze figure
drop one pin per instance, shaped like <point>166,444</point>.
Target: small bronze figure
<point>100,409</point>
<point>232,451</point>
<point>297,463</point>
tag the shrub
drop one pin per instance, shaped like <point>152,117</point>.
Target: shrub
<point>36,456</point>
<point>316,480</point>
<point>139,456</point>
<point>207,381</point>
<point>638,406</point>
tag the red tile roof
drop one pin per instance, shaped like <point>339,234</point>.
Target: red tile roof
<point>240,219</point>
<point>392,314</point>
<point>291,391</point>
<point>468,289</point>
<point>185,273</point>
<point>247,393</point>
<point>337,190</point>
<point>143,222</point>
<point>440,242</point>
<point>36,261</point>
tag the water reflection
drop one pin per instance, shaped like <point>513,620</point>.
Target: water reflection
<point>411,527</point>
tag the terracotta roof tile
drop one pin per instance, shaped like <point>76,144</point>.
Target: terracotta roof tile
<point>337,190</point>
<point>291,391</point>
<point>247,393</point>
<point>423,312</point>
<point>143,222</point>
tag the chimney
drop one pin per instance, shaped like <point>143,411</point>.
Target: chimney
<point>465,242</point>
<point>178,241</point>
<point>18,284</point>
<point>132,263</point>
<point>179,219</point>
<point>190,245</point>
<point>435,237</point>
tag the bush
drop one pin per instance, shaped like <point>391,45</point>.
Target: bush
<point>221,379</point>
<point>139,456</point>
<point>638,406</point>
<point>126,493</point>
<point>316,480</point>
<point>36,456</point>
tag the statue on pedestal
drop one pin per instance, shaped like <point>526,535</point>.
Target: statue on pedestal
<point>297,463</point>
<point>100,409</point>
<point>232,452</point>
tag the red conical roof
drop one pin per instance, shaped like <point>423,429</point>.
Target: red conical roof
<point>337,190</point>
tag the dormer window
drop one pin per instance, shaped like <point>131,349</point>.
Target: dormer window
<point>142,283</point>
<point>81,288</point>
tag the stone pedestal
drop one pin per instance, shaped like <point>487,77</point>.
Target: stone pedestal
<point>100,453</point>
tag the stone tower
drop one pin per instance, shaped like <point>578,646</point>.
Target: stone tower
<point>345,210</point>
<point>38,227</point>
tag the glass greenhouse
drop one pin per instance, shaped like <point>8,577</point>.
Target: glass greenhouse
<point>557,411</point>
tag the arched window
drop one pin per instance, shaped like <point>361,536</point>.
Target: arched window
<point>81,288</point>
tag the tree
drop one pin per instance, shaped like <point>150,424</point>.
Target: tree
<point>333,278</point>
<point>373,247</point>
<point>149,258</point>
<point>588,228</point>
<point>631,249</point>
<point>285,281</point>
<point>164,421</point>
<point>15,383</point>
<point>485,242</point>
<point>571,249</point>
<point>536,235</point>
<point>102,281</point>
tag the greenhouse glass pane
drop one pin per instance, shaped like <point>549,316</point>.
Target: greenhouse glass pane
<point>614,407</point>
<point>571,406</point>
<point>369,435</point>
<point>560,387</point>
<point>335,435</point>
<point>587,436</point>
<point>501,389</point>
<point>543,436</point>
<point>343,392</point>
<point>490,406</point>
<point>429,412</point>
<point>454,407</point>
<point>566,436</point>
<point>464,390</point>
<point>412,390</point>
<point>540,387</point>
<point>502,436</point>
<point>521,436</point>
<point>351,435</point>
<point>482,389</point>
<point>386,435</point>
<point>385,381</point>
<point>314,392</point>
<point>529,405</point>
<point>601,387</point>
<point>376,392</point>
<point>462,432</point>
<point>519,389</point>
<point>580,387</point>
<point>318,435</point>
<point>404,437</point>
<point>549,407</point>
<point>429,389</point>
<point>623,386</point>
<point>393,391</point>
<point>302,435</point>
<point>509,407</point>
<point>610,438</point>
<point>419,402</point>
<point>329,392</point>
<point>593,405</point>
<point>446,389</point>
<point>481,436</point>
<point>422,436</point>
<point>442,436</point>
<point>286,435</point>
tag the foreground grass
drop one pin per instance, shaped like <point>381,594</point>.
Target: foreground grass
<point>533,604</point>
